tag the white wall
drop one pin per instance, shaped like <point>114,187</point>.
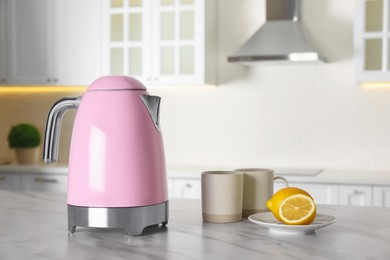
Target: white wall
<point>306,115</point>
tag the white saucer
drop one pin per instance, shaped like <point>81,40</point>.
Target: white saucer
<point>267,219</point>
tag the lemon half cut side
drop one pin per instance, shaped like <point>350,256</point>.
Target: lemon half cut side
<point>298,209</point>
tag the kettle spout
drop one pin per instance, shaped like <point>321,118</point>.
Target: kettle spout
<point>152,103</point>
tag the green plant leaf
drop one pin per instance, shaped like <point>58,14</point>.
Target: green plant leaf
<point>23,136</point>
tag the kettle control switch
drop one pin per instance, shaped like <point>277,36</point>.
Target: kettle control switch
<point>152,103</point>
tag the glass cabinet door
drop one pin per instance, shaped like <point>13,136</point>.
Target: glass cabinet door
<point>374,15</point>
<point>176,42</point>
<point>374,29</point>
<point>159,41</point>
<point>128,42</point>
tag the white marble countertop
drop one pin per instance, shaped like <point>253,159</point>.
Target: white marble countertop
<point>34,226</point>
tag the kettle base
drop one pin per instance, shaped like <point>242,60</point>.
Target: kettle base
<point>132,219</point>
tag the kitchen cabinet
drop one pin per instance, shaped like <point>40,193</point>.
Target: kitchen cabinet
<point>191,188</point>
<point>185,188</point>
<point>77,41</point>
<point>33,178</point>
<point>355,195</point>
<point>161,41</point>
<point>53,42</point>
<point>29,41</point>
<point>321,193</point>
<point>371,40</point>
<point>381,196</point>
<point>40,182</point>
<point>3,63</point>
<point>171,194</point>
<point>9,181</point>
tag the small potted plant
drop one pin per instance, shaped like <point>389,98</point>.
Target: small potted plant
<point>25,138</point>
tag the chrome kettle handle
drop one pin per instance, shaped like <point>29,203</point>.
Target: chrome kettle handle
<point>53,126</point>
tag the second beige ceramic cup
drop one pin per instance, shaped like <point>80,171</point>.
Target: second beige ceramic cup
<point>222,194</point>
<point>258,189</point>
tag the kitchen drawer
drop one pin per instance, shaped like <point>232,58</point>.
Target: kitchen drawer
<point>186,188</point>
<point>278,184</point>
<point>9,181</point>
<point>44,182</point>
<point>381,196</point>
<point>321,193</point>
<point>170,188</point>
<point>356,195</point>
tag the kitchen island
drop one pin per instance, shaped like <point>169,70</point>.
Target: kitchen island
<point>34,226</point>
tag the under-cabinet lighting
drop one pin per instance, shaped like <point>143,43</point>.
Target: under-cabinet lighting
<point>40,89</point>
<point>376,85</point>
<point>52,89</point>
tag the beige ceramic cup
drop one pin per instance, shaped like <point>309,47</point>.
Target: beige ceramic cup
<point>258,189</point>
<point>222,194</point>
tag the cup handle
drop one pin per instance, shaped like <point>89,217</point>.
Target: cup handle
<point>283,179</point>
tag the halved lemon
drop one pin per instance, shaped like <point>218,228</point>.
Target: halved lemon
<point>293,206</point>
<point>297,209</point>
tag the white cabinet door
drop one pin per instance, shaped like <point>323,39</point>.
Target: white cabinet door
<point>127,38</point>
<point>3,37</point>
<point>77,41</point>
<point>54,41</point>
<point>278,184</point>
<point>186,188</point>
<point>171,191</point>
<point>29,41</point>
<point>381,196</point>
<point>355,195</point>
<point>178,41</point>
<point>321,193</point>
<point>371,43</point>
<point>44,182</point>
<point>9,181</point>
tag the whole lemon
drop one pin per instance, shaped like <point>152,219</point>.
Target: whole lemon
<point>292,206</point>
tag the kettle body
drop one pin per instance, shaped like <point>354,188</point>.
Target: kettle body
<point>116,156</point>
<point>117,167</point>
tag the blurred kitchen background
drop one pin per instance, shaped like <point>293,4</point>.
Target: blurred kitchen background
<point>300,115</point>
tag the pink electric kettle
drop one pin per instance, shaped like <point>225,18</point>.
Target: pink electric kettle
<point>117,175</point>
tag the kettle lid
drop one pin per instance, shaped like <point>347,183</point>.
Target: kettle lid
<point>116,83</point>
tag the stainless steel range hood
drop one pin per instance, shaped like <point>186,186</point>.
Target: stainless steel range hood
<point>281,38</point>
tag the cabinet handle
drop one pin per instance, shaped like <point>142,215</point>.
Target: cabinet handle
<point>188,185</point>
<point>55,80</point>
<point>3,81</point>
<point>2,178</point>
<point>45,180</point>
<point>48,80</point>
<point>358,192</point>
